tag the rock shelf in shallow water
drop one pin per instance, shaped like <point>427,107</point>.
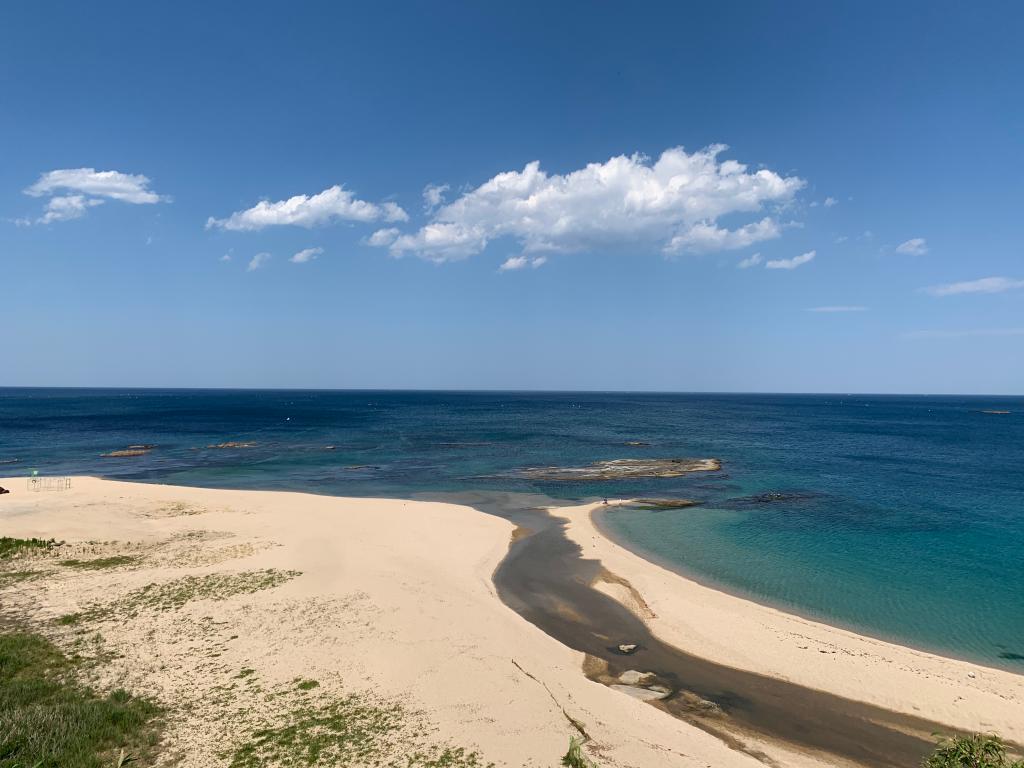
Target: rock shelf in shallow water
<point>664,503</point>
<point>618,469</point>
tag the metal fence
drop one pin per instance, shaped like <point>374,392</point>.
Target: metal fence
<point>49,483</point>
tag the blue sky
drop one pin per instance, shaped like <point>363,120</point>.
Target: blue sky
<point>153,152</point>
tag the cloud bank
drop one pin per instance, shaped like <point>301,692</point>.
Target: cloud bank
<point>672,204</point>
<point>332,205</point>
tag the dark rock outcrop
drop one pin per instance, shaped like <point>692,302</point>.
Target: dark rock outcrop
<point>618,469</point>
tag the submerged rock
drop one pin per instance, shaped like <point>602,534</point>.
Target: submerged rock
<point>664,503</point>
<point>699,705</point>
<point>770,497</point>
<point>624,468</point>
<point>126,453</point>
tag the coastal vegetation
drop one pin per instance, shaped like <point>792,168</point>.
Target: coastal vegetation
<point>9,547</point>
<point>978,750</point>
<point>48,718</point>
<point>353,730</point>
<point>575,758</point>
<point>98,563</point>
<point>172,595</point>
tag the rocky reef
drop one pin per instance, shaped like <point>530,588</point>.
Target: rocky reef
<point>769,497</point>
<point>618,469</point>
<point>129,452</point>
<point>663,503</point>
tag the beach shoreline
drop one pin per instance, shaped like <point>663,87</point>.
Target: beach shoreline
<point>762,638</point>
<point>434,631</point>
<point>599,518</point>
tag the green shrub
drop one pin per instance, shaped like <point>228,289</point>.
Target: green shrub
<point>575,758</point>
<point>10,546</point>
<point>979,750</point>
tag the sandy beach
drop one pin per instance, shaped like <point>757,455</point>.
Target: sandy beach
<point>396,600</point>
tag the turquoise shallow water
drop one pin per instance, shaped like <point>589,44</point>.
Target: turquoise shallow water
<point>899,516</point>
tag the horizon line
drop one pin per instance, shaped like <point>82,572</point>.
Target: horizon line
<point>496,390</point>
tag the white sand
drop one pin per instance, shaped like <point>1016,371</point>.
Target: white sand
<point>396,598</point>
<point>746,635</point>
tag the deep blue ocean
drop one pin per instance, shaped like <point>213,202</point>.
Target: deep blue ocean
<point>899,516</point>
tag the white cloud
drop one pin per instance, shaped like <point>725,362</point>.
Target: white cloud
<point>672,204</point>
<point>88,188</point>
<point>383,237</point>
<point>518,262</point>
<point>750,261</point>
<point>66,208</point>
<point>793,263</point>
<point>984,285</point>
<point>433,196</point>
<point>227,256</point>
<point>705,237</point>
<point>333,204</point>
<point>257,261</point>
<point>914,247</point>
<point>306,254</point>
<point>838,308</point>
<point>964,334</point>
<point>125,187</point>
<point>830,201</point>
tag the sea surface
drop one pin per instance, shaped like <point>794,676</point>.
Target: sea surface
<point>898,516</point>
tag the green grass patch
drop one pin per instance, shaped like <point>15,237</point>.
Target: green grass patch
<point>307,685</point>
<point>353,731</point>
<point>68,619</point>
<point>173,595</point>
<point>7,578</point>
<point>114,561</point>
<point>9,547</point>
<point>48,718</point>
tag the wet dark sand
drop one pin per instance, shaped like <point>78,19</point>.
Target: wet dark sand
<point>545,579</point>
